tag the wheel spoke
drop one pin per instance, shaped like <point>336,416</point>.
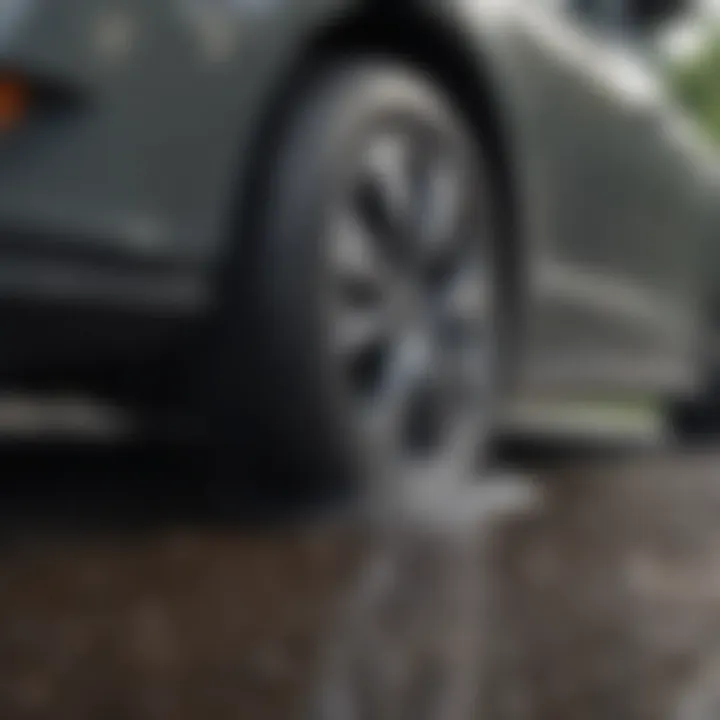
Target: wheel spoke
<point>466,317</point>
<point>361,273</point>
<point>408,369</point>
<point>460,451</point>
<point>468,298</point>
<point>469,373</point>
<point>437,216</point>
<point>358,330</point>
<point>384,193</point>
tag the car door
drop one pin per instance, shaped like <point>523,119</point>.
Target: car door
<point>616,276</point>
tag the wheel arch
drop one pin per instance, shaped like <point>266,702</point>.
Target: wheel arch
<point>436,44</point>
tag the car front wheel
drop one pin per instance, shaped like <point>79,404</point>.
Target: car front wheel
<point>372,286</point>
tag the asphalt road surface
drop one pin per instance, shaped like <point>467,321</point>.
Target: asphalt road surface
<point>587,590</point>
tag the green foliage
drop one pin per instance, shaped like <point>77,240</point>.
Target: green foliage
<point>697,84</point>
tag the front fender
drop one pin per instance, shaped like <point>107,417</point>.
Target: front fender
<point>168,94</point>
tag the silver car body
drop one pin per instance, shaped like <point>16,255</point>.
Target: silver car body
<point>124,194</point>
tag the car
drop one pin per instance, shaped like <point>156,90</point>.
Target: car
<point>344,235</point>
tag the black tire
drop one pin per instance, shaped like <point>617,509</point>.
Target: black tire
<point>291,403</point>
<point>695,421</point>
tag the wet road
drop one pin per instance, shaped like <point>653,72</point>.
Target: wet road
<point>591,592</point>
<point>127,592</point>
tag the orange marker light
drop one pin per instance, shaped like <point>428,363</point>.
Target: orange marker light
<point>14,101</point>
